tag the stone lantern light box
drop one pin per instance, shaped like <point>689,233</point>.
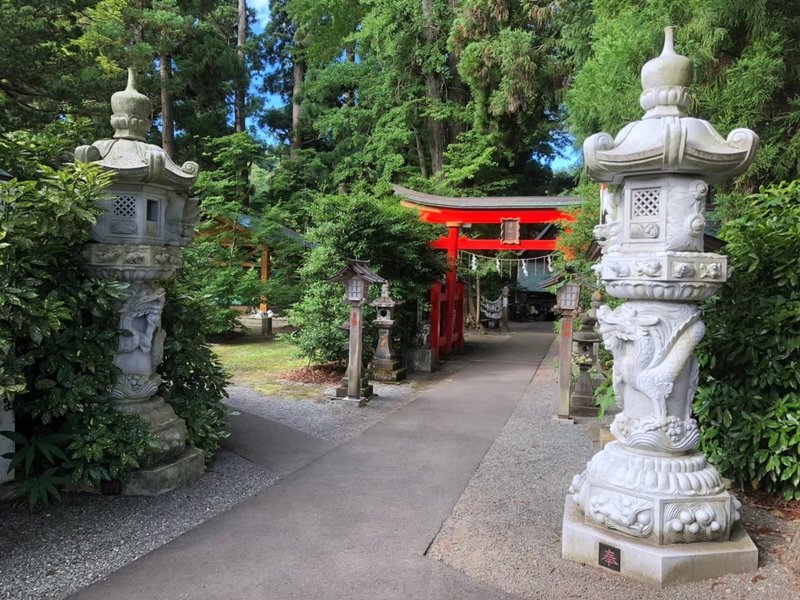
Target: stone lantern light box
<point>568,296</point>
<point>357,277</point>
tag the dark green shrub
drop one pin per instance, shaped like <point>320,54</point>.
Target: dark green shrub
<point>749,400</point>
<point>363,227</point>
<point>194,380</point>
<point>58,330</point>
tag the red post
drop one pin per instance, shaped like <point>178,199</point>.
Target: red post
<point>450,284</point>
<point>458,342</point>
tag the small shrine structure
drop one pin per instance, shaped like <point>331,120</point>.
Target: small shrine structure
<point>649,505</point>
<point>508,213</point>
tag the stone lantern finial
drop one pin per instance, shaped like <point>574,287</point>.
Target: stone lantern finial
<point>132,109</point>
<point>665,82</point>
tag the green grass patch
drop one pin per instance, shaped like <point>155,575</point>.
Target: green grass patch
<point>261,364</point>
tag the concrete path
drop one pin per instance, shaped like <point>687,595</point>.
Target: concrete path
<point>355,522</point>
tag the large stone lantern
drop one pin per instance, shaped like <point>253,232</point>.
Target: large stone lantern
<point>649,505</point>
<point>138,240</point>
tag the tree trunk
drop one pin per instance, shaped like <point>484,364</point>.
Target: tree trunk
<point>241,84</point>
<point>423,164</point>
<point>433,91</point>
<point>298,74</point>
<point>167,106</point>
<point>457,93</point>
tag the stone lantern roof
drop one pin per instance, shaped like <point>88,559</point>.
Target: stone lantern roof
<point>128,154</point>
<point>666,140</point>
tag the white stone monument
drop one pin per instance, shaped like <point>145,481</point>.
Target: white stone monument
<point>138,240</point>
<point>649,505</point>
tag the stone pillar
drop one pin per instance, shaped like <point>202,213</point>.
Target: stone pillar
<point>138,240</point>
<point>385,363</point>
<point>643,501</point>
<point>357,277</point>
<point>504,301</point>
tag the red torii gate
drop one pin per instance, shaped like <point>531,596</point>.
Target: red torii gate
<point>509,212</point>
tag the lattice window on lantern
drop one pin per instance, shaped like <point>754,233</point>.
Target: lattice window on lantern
<point>125,206</point>
<point>646,202</point>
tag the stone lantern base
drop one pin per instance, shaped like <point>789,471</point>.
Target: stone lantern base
<point>656,565</point>
<point>175,464</point>
<point>387,370</point>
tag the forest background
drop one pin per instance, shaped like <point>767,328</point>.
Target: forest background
<point>304,119</point>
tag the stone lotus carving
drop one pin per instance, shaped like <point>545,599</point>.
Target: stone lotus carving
<point>660,290</point>
<point>623,468</point>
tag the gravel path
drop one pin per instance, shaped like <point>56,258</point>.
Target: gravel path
<point>324,417</point>
<point>57,551</point>
<point>506,527</point>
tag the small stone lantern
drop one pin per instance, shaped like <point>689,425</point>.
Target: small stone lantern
<point>587,340</point>
<point>148,218</point>
<point>385,364</point>
<point>357,277</point>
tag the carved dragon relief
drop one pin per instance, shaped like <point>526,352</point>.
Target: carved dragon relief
<point>141,346</point>
<point>655,374</point>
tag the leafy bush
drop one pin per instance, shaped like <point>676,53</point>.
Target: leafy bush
<point>58,329</point>
<point>749,400</point>
<point>193,378</point>
<point>362,227</point>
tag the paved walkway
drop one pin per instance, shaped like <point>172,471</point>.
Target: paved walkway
<point>353,521</point>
